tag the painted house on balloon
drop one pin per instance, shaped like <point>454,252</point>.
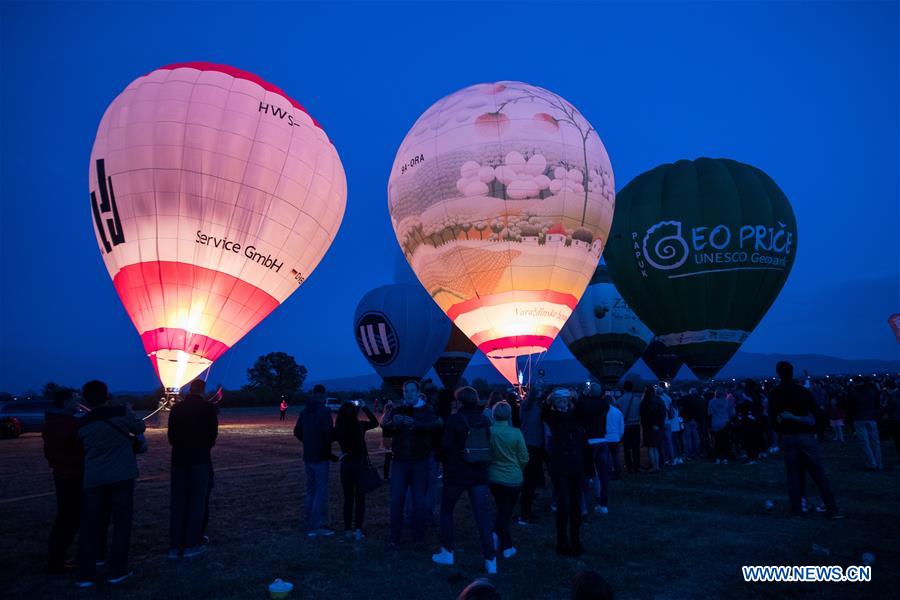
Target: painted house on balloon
<point>556,235</point>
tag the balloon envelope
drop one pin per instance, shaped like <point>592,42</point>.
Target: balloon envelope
<point>452,362</point>
<point>894,322</point>
<point>700,250</point>
<point>603,333</point>
<point>213,195</point>
<point>400,331</point>
<point>501,197</point>
<point>662,360</point>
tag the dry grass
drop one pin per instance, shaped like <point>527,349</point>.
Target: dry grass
<point>682,534</point>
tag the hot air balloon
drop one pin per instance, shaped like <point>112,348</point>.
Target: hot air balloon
<point>604,334</point>
<point>452,362</point>
<point>501,197</point>
<point>894,322</point>
<point>400,331</point>
<point>214,195</point>
<point>662,360</point>
<point>700,250</point>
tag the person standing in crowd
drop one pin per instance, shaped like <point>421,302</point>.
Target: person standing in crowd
<point>836,420</point>
<point>630,405</point>
<point>282,409</point>
<point>107,433</point>
<point>386,442</point>
<point>192,431</point>
<point>721,410</point>
<point>892,405</point>
<point>653,422</point>
<point>65,455</point>
<point>750,416</point>
<point>411,426</point>
<point>667,448</point>
<point>693,414</point>
<point>350,434</point>
<point>509,457</point>
<point>864,404</point>
<point>594,413</point>
<point>532,427</point>
<point>792,410</point>
<point>315,431</point>
<point>615,429</point>
<point>466,449</point>
<point>566,468</point>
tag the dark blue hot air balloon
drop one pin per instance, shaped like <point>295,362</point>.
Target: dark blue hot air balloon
<point>400,331</point>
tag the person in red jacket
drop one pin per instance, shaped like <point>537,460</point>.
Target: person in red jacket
<point>65,454</point>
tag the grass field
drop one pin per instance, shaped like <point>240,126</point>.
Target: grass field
<point>681,534</point>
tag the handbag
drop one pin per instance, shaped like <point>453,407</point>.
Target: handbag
<point>369,479</point>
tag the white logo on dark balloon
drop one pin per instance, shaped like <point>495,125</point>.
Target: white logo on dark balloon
<point>664,247</point>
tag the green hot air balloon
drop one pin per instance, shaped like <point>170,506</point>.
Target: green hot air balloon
<point>699,250</point>
<point>603,333</point>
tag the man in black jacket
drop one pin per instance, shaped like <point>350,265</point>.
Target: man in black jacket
<point>792,410</point>
<point>411,424</point>
<point>66,457</point>
<point>315,430</point>
<point>462,474</point>
<point>193,427</point>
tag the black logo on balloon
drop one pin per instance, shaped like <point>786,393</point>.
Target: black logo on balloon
<point>377,338</point>
<point>106,208</point>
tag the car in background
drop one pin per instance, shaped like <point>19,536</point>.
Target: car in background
<point>333,404</point>
<point>23,416</point>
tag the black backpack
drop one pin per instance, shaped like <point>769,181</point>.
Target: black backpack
<point>477,449</point>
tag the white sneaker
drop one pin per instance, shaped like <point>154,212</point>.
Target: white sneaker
<point>195,551</point>
<point>120,578</point>
<point>83,585</point>
<point>718,462</point>
<point>603,510</point>
<point>724,461</point>
<point>491,566</point>
<point>359,535</point>
<point>444,557</point>
<point>509,552</point>
<point>496,541</point>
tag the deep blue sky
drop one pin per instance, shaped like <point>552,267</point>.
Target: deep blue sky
<point>807,92</point>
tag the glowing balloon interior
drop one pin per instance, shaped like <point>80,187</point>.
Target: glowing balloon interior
<point>214,195</point>
<point>501,197</point>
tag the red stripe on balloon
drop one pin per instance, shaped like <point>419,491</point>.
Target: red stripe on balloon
<point>551,296</point>
<point>516,341</point>
<point>156,289</point>
<point>239,74</point>
<point>169,338</point>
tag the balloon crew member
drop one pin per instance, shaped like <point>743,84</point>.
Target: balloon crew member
<point>65,455</point>
<point>532,427</point>
<point>192,432</point>
<point>108,434</point>
<point>282,409</point>
<point>563,417</point>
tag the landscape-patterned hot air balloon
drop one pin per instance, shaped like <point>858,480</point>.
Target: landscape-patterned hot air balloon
<point>501,197</point>
<point>894,322</point>
<point>603,333</point>
<point>214,195</point>
<point>700,250</point>
<point>400,331</point>
<point>661,360</point>
<point>452,362</point>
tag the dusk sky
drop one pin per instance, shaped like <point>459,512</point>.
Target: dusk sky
<point>809,93</point>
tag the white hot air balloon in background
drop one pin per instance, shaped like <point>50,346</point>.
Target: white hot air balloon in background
<point>214,195</point>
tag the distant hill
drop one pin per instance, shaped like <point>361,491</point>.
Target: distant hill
<point>743,364</point>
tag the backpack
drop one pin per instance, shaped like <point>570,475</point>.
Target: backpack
<point>477,449</point>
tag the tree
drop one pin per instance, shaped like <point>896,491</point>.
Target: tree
<point>275,375</point>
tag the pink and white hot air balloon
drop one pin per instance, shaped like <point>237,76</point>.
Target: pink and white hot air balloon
<point>894,322</point>
<point>214,195</point>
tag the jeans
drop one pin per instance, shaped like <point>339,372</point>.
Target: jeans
<point>722,443</point>
<point>867,432</point>
<point>505,497</point>
<point>119,496</point>
<point>353,497</point>
<point>600,455</point>
<point>631,440</point>
<point>432,491</point>
<point>409,476</point>
<point>567,487</point>
<point>68,513</point>
<point>188,491</point>
<point>478,498</point>
<point>668,445</point>
<point>316,494</point>
<point>801,456</point>
<point>691,439</point>
<point>615,460</point>
<point>533,478</point>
